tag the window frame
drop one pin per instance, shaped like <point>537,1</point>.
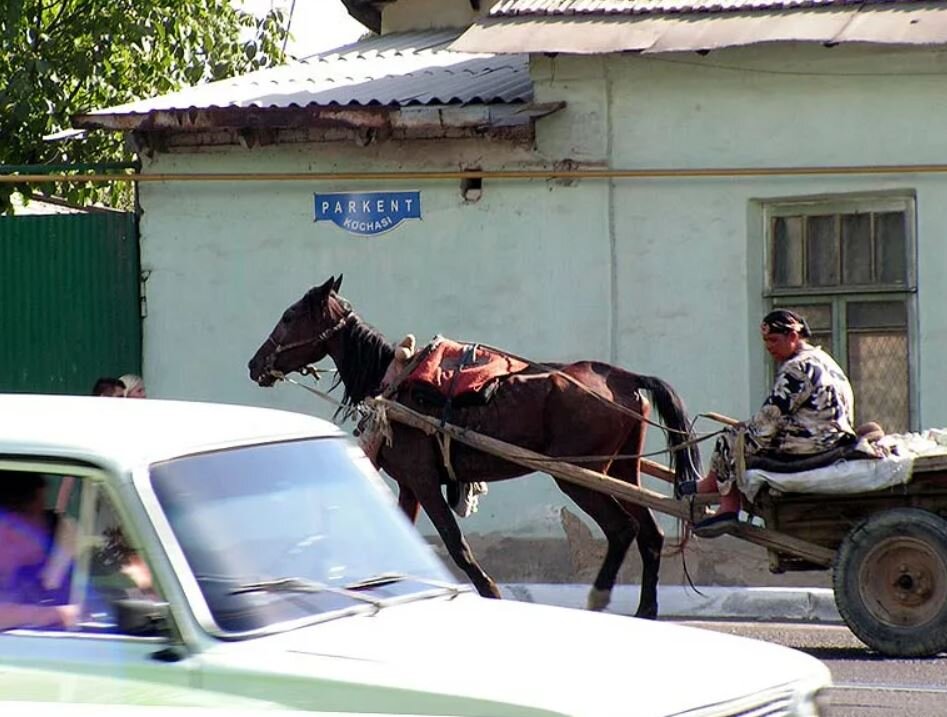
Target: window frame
<point>862,204</point>
<point>91,482</point>
<point>839,296</point>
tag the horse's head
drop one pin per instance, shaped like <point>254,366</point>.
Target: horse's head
<point>302,334</point>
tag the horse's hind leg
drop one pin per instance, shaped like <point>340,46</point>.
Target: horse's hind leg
<point>620,530</point>
<point>650,535</point>
<point>650,545</point>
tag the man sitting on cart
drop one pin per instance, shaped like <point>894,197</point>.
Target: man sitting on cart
<point>808,412</point>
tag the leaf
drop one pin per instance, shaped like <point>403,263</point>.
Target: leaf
<point>62,57</point>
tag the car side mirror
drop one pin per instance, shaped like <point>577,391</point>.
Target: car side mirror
<point>143,618</point>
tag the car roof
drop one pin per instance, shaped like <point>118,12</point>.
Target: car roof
<point>125,432</point>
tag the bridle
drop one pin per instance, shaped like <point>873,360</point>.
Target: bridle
<point>278,348</point>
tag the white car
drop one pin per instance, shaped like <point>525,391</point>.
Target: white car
<point>257,553</point>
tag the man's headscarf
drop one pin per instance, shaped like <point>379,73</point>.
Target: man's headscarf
<point>782,321</point>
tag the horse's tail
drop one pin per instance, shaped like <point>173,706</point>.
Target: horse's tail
<point>682,443</point>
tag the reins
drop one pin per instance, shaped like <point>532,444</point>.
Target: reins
<point>348,411</point>
<point>683,446</point>
<point>622,409</point>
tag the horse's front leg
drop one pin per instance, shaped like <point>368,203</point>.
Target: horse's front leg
<point>408,502</point>
<point>413,465</point>
<point>443,519</point>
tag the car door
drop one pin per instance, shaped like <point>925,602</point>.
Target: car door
<point>97,560</point>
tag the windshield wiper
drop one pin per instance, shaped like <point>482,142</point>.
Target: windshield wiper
<point>382,579</point>
<point>301,585</point>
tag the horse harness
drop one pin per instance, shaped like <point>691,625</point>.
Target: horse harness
<point>278,348</point>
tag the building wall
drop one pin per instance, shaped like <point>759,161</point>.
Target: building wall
<point>688,252</point>
<point>662,276</point>
<point>524,268</point>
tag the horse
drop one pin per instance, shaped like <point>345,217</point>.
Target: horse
<point>582,409</point>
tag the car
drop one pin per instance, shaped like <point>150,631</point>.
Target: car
<point>25,690</point>
<point>257,553</point>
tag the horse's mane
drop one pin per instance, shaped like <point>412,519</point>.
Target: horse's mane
<point>366,355</point>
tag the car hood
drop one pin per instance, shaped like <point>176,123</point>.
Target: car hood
<point>470,655</point>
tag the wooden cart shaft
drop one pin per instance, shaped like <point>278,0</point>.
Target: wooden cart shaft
<point>684,509</point>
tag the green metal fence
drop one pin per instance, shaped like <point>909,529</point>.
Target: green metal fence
<point>69,301</point>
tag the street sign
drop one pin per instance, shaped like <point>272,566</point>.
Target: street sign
<point>367,213</point>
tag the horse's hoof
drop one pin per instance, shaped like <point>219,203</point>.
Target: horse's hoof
<point>599,599</point>
<point>647,614</point>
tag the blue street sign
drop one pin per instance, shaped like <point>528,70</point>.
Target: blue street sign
<point>367,213</point>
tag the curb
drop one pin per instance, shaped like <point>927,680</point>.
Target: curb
<point>679,602</point>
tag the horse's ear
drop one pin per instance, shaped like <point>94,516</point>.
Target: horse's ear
<point>337,284</point>
<point>328,286</point>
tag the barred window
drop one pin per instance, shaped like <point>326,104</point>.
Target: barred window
<point>848,267</point>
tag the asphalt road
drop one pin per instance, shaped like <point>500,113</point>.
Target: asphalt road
<point>865,683</point>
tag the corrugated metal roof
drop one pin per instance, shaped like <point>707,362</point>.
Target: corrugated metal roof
<point>897,22</point>
<point>513,8</point>
<point>396,70</point>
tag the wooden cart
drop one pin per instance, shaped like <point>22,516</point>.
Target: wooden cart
<point>887,549</point>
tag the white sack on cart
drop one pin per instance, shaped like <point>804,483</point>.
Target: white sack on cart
<point>855,476</point>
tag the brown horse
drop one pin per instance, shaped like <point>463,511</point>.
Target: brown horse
<point>567,410</point>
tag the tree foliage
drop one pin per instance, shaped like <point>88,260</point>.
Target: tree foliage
<point>61,57</point>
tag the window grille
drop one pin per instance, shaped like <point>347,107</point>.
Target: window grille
<point>848,267</point>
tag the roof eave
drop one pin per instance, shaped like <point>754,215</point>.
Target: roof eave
<point>192,119</point>
<point>365,12</point>
<point>906,25</point>
<point>421,121</point>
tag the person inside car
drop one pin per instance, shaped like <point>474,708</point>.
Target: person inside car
<point>36,549</point>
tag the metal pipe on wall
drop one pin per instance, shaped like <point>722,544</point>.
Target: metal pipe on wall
<point>47,169</point>
<point>652,173</point>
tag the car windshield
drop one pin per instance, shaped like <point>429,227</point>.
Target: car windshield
<point>285,531</point>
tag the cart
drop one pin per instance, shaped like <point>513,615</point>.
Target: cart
<point>887,549</point>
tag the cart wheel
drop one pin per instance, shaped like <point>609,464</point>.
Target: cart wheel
<point>890,582</point>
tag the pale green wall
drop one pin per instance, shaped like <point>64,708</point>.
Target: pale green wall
<point>661,275</point>
<point>524,268</point>
<point>688,256</point>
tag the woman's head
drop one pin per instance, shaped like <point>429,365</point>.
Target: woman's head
<point>22,501</point>
<point>21,491</point>
<point>134,386</point>
<point>107,386</point>
<point>784,332</point>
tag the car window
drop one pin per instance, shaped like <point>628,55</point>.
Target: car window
<point>117,568</point>
<point>311,510</point>
<point>66,559</point>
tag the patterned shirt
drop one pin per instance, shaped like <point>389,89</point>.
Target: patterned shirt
<point>810,409</point>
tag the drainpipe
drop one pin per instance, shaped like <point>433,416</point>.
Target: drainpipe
<point>612,239</point>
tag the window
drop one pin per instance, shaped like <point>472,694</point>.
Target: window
<point>81,563</point>
<point>255,513</point>
<point>848,266</point>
